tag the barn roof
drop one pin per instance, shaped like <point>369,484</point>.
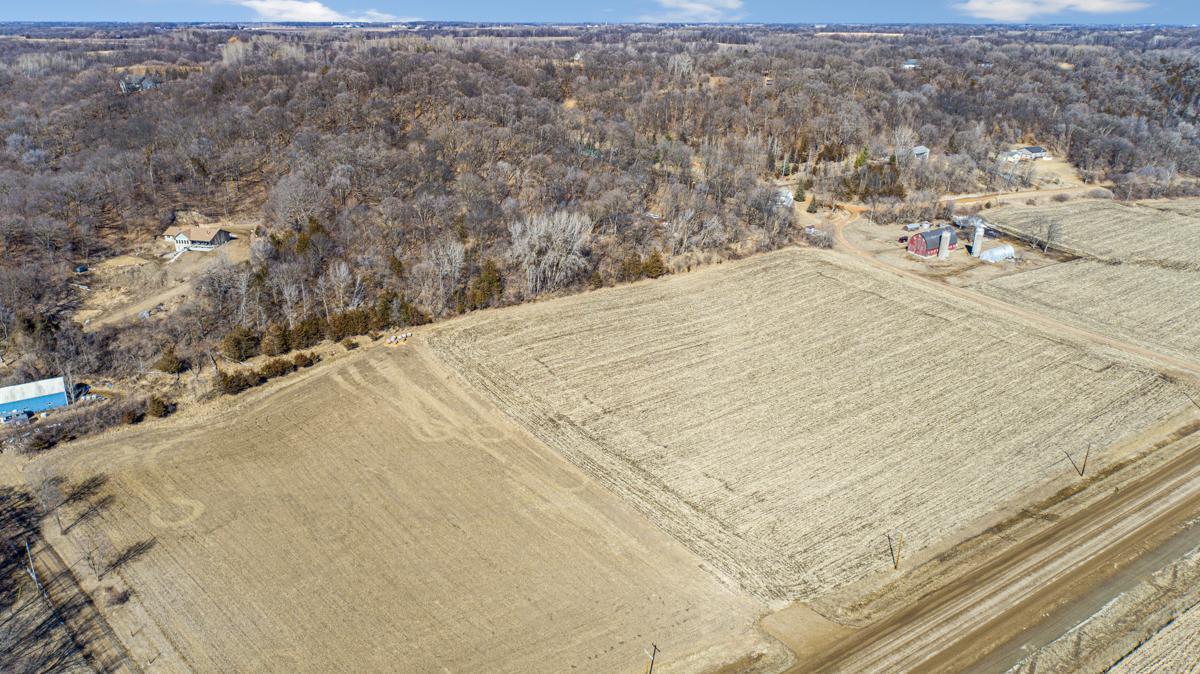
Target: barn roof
<point>933,237</point>
<point>33,389</point>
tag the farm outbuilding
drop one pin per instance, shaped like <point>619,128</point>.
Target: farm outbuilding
<point>926,243</point>
<point>34,396</point>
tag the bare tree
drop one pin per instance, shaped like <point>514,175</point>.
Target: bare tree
<point>551,248</point>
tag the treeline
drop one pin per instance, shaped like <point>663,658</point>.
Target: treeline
<point>414,177</point>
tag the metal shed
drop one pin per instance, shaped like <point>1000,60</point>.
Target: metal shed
<point>34,396</point>
<point>998,253</point>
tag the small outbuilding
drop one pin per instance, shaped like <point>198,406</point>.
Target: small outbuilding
<point>998,253</point>
<point>920,152</point>
<point>33,397</point>
<point>925,244</point>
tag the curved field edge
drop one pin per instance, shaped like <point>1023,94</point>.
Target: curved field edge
<point>373,514</point>
<point>780,415</point>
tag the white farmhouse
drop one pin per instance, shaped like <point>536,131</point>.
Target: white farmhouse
<point>199,238</point>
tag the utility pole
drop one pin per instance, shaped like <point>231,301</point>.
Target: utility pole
<point>894,545</point>
<point>1078,468</point>
<point>653,653</point>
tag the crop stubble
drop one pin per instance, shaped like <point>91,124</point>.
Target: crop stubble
<point>778,415</point>
<point>1139,279</point>
<point>373,516</point>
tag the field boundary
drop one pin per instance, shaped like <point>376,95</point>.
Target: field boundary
<point>87,625</point>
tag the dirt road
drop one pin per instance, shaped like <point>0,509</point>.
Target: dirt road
<point>1178,367</point>
<point>955,627</point>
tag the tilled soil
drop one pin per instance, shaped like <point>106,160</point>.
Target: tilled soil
<point>780,415</point>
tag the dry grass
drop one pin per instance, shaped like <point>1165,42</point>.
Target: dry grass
<point>370,515</point>
<point>780,414</point>
<point>1145,290</point>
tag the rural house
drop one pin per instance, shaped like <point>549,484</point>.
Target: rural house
<point>911,64</point>
<point>1028,153</point>
<point>925,244</point>
<point>1033,152</point>
<point>34,396</point>
<point>920,152</point>
<point>200,238</point>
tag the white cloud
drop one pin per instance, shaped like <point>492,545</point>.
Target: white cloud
<point>695,11</point>
<point>1024,10</point>
<point>310,10</point>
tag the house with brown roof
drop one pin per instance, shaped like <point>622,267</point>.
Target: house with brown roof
<point>200,237</point>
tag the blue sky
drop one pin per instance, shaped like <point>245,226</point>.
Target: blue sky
<point>775,11</point>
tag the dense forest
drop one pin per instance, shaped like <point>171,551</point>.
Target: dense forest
<point>411,174</point>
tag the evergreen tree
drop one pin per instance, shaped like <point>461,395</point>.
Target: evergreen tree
<point>654,266</point>
<point>861,160</point>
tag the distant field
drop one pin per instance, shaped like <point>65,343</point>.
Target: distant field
<point>1147,289</point>
<point>373,516</point>
<point>780,414</point>
<point>1166,234</point>
<point>1158,308</point>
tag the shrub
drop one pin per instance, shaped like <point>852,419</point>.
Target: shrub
<point>233,383</point>
<point>276,367</point>
<point>133,415</point>
<point>157,407</point>
<point>170,363</point>
<point>239,344</point>
<point>302,360</point>
<point>595,281</point>
<point>631,268</point>
<point>349,344</point>
<point>654,266</point>
<point>817,238</point>
<point>812,206</point>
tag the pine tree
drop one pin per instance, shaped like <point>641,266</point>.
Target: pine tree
<point>654,266</point>
<point>861,160</point>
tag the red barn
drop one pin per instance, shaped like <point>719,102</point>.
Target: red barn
<point>926,243</point>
